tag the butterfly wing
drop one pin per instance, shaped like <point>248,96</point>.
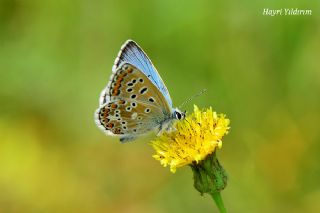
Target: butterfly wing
<point>131,53</point>
<point>134,105</point>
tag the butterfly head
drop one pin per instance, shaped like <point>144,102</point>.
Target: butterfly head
<point>177,114</point>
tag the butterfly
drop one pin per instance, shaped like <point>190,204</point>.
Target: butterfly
<point>136,99</point>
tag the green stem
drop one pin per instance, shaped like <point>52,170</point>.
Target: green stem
<point>219,202</point>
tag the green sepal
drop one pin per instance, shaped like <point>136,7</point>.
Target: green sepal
<point>209,176</point>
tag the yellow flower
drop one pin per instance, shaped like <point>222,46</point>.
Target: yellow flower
<point>194,139</point>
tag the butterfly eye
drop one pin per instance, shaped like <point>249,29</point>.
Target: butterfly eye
<point>178,115</point>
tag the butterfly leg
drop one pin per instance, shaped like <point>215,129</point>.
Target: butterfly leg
<point>166,127</point>
<point>162,128</point>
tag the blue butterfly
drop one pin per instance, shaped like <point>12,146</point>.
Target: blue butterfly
<point>135,100</point>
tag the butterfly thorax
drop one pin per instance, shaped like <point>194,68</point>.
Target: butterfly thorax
<point>167,123</point>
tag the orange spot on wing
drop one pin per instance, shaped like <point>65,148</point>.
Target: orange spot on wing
<point>106,114</point>
<point>119,79</point>
<point>110,125</point>
<point>115,91</point>
<point>118,84</point>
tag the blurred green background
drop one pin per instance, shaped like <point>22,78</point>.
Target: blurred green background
<point>262,71</point>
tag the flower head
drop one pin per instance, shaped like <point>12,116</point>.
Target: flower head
<point>193,140</point>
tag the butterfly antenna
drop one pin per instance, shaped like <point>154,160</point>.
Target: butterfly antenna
<point>192,97</point>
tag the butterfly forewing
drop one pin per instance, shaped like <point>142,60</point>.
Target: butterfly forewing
<point>131,53</point>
